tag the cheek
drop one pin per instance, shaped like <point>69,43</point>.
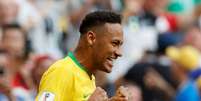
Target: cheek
<point>102,51</point>
<point>14,43</point>
<point>108,50</point>
<point>20,45</point>
<point>9,44</point>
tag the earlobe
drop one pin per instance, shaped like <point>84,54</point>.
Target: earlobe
<point>91,38</point>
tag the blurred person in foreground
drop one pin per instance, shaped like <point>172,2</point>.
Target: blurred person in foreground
<point>193,38</point>
<point>72,78</point>
<point>16,46</point>
<point>184,59</point>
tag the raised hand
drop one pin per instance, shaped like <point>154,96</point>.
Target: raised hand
<point>98,95</point>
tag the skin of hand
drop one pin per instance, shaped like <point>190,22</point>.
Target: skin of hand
<point>122,94</point>
<point>98,95</point>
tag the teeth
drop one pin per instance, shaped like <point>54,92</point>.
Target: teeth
<point>111,59</point>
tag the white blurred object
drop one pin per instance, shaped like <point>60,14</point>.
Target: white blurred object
<point>22,95</point>
<point>28,12</point>
<point>162,24</point>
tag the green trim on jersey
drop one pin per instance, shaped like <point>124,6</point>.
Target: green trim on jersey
<point>72,56</point>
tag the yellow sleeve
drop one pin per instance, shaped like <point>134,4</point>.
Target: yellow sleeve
<point>56,84</point>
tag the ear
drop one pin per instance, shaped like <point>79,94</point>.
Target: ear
<point>91,38</point>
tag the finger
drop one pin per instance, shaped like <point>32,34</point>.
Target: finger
<point>123,91</point>
<point>118,99</point>
<point>105,98</point>
<point>99,90</point>
<point>102,93</point>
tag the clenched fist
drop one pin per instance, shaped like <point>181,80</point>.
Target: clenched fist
<point>98,95</point>
<point>122,94</point>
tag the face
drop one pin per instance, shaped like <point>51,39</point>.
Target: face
<point>156,4</point>
<point>8,11</point>
<point>107,46</point>
<point>193,37</point>
<point>14,41</point>
<point>133,6</point>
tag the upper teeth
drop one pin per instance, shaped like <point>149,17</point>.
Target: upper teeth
<point>111,59</point>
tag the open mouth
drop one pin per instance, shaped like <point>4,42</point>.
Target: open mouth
<point>110,61</point>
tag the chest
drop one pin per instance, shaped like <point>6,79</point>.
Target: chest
<point>83,87</point>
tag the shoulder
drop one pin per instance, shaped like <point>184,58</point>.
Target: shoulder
<point>62,67</point>
<point>62,64</point>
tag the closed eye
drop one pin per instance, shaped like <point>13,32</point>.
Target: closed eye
<point>115,43</point>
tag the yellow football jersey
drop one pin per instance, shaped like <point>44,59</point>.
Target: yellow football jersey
<point>66,80</point>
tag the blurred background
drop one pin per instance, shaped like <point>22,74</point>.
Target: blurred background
<point>161,52</point>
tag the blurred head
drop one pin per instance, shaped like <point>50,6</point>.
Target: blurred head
<point>41,64</point>
<point>152,5</point>
<point>133,6</point>
<point>14,40</point>
<point>8,11</point>
<point>193,38</point>
<point>103,36</point>
<point>184,59</point>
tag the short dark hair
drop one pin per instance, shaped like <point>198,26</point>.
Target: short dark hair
<point>98,18</point>
<point>12,26</point>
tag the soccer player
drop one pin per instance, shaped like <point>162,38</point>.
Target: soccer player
<point>71,78</point>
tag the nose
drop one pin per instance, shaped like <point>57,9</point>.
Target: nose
<point>118,52</point>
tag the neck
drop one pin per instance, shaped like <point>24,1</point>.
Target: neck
<point>15,64</point>
<point>182,79</point>
<point>83,54</point>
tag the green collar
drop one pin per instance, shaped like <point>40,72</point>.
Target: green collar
<point>72,56</point>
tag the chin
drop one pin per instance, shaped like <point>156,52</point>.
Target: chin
<point>107,69</point>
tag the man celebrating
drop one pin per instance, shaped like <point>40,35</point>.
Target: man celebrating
<point>71,78</point>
